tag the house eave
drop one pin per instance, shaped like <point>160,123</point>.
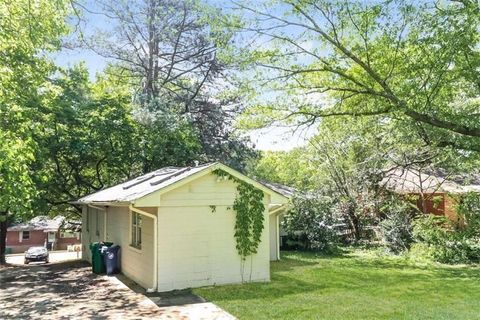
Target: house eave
<point>103,203</point>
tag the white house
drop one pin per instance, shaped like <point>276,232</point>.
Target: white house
<point>175,227</point>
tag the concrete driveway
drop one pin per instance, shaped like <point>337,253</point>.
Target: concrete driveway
<point>54,256</point>
<point>69,290</point>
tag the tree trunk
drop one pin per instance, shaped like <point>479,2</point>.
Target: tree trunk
<point>3,236</point>
<point>355,227</point>
<point>353,220</point>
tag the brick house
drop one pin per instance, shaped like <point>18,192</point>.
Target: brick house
<point>54,234</point>
<point>434,192</point>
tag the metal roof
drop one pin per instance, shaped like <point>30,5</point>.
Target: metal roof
<point>143,185</point>
<point>148,183</point>
<point>415,181</point>
<point>284,190</point>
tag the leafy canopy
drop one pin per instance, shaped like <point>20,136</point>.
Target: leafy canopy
<point>415,62</point>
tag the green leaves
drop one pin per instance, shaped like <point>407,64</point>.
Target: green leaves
<point>249,213</point>
<point>414,63</point>
<point>27,31</point>
<point>16,186</point>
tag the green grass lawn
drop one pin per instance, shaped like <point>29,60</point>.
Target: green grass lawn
<point>355,285</point>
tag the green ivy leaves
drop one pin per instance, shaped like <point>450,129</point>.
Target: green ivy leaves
<point>249,210</point>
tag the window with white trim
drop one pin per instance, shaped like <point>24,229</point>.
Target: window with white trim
<point>25,235</point>
<point>136,228</point>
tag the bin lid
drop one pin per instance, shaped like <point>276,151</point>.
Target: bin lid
<point>115,247</point>
<point>94,245</point>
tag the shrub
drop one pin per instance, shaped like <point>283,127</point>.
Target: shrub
<point>468,207</point>
<point>396,226</point>
<point>310,224</point>
<point>443,243</point>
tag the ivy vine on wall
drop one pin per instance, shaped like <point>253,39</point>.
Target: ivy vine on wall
<point>249,210</point>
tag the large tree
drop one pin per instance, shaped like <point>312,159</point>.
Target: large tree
<point>91,140</point>
<point>412,61</point>
<point>173,55</point>
<point>168,48</point>
<point>27,31</point>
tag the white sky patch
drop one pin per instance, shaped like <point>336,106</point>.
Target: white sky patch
<point>281,138</point>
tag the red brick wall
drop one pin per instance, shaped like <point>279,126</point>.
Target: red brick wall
<point>433,203</point>
<point>444,207</point>
<point>37,238</point>
<point>450,211</point>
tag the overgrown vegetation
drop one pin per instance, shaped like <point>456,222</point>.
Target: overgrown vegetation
<point>396,224</point>
<point>310,225</point>
<point>447,241</point>
<point>437,238</point>
<point>468,207</point>
<point>400,227</point>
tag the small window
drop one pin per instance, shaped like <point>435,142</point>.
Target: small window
<point>136,230</point>
<point>26,235</point>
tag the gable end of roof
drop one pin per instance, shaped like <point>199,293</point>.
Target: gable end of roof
<point>169,178</point>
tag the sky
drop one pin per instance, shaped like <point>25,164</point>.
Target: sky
<point>267,139</point>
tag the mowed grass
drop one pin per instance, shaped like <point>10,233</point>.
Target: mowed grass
<point>354,285</point>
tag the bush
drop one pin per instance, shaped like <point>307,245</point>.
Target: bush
<point>468,207</point>
<point>310,225</point>
<point>441,241</point>
<point>396,226</point>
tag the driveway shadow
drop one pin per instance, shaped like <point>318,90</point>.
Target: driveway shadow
<point>67,290</point>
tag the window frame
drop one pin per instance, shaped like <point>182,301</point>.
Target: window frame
<point>135,230</point>
<point>23,235</point>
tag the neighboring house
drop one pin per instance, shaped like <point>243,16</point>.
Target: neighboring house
<point>175,227</point>
<point>434,192</point>
<point>54,234</point>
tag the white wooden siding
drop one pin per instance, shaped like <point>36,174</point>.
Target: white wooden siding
<point>197,246</point>
<point>93,231</point>
<point>273,237</point>
<point>137,264</point>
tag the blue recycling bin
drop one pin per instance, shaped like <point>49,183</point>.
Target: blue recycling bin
<point>111,257</point>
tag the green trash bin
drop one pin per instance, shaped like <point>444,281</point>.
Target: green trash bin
<point>97,262</point>
<point>98,265</point>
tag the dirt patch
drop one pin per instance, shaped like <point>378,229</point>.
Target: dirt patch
<point>68,290</point>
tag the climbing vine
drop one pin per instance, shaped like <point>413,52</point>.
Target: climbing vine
<point>249,210</point>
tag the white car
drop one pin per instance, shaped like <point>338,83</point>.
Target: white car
<point>36,254</point>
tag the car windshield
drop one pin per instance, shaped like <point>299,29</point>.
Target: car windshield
<point>36,250</point>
